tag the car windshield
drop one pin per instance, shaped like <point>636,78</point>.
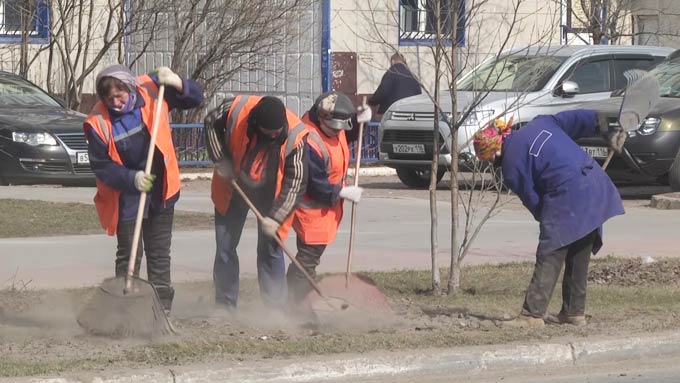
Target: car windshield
<point>668,75</point>
<point>513,73</point>
<point>16,92</point>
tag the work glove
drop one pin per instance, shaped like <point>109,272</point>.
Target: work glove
<point>269,226</point>
<point>616,138</point>
<point>364,114</point>
<point>143,181</point>
<point>169,78</point>
<point>352,193</point>
<point>224,169</point>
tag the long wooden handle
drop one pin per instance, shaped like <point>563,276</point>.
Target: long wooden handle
<point>278,240</point>
<point>142,197</point>
<point>610,155</point>
<point>357,166</point>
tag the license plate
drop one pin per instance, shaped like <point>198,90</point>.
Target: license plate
<point>408,148</point>
<point>596,151</point>
<point>82,158</point>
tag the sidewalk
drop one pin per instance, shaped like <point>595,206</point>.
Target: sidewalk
<point>388,364</point>
<point>380,171</point>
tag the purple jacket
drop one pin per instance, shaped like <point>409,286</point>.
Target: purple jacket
<point>563,187</point>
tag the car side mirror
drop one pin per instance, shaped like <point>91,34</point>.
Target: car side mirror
<point>568,89</point>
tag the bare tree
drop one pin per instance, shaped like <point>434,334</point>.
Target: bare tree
<point>213,40</point>
<point>602,20</point>
<point>450,60</point>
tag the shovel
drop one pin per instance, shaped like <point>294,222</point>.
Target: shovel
<point>129,306</point>
<point>642,94</point>
<point>330,303</point>
<point>361,291</point>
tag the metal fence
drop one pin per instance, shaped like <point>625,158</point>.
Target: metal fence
<point>190,144</point>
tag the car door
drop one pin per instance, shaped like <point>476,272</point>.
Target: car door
<point>594,76</point>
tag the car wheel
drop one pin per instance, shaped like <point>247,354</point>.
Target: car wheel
<point>418,178</point>
<point>674,174</point>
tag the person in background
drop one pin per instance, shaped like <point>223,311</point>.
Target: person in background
<point>397,83</point>
<point>118,132</point>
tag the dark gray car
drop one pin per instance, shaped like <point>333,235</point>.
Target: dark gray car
<point>41,141</point>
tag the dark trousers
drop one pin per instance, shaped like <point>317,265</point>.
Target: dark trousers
<point>309,257</point>
<point>155,239</point>
<point>271,266</point>
<point>576,258</point>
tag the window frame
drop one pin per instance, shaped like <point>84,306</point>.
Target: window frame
<point>430,40</point>
<point>610,63</point>
<point>41,33</point>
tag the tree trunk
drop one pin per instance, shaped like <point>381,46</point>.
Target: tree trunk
<point>454,269</point>
<point>434,167</point>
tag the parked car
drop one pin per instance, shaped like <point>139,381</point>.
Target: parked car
<point>652,152</point>
<point>41,141</point>
<point>521,83</point>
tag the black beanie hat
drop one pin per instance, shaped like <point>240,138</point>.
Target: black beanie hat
<point>270,113</point>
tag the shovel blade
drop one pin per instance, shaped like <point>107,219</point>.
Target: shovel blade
<point>361,294</point>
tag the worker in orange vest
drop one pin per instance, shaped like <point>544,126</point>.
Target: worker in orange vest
<point>261,145</point>
<point>118,132</point>
<point>334,123</point>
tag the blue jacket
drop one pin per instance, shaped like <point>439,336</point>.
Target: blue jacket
<point>133,152</point>
<point>397,83</point>
<point>318,185</point>
<point>561,185</point>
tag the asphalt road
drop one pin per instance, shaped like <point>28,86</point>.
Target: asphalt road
<point>393,232</point>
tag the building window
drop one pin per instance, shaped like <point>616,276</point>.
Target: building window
<point>18,16</point>
<point>418,22</point>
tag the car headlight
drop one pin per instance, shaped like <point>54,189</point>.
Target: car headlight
<point>649,126</point>
<point>387,116</point>
<point>34,139</point>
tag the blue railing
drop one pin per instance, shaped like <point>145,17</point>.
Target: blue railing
<point>190,144</point>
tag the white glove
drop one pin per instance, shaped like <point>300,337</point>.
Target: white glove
<point>169,78</point>
<point>269,226</point>
<point>352,193</point>
<point>364,114</point>
<point>144,182</point>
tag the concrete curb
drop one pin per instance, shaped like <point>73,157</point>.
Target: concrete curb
<point>668,201</point>
<point>363,172</point>
<point>404,362</point>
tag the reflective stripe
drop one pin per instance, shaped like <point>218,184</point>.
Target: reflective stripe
<point>231,121</point>
<point>324,152</point>
<point>292,134</point>
<point>104,127</point>
<point>129,133</point>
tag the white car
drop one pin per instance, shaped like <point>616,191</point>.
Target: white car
<point>522,84</point>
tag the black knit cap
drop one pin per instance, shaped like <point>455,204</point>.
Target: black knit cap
<point>270,113</point>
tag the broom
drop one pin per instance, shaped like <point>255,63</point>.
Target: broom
<point>129,306</point>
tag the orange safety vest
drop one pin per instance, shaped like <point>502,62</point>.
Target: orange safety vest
<point>316,223</point>
<point>236,135</point>
<point>107,198</point>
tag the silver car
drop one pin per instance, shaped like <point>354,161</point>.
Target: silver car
<point>521,83</point>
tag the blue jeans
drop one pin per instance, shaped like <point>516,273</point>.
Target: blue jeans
<point>271,266</point>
